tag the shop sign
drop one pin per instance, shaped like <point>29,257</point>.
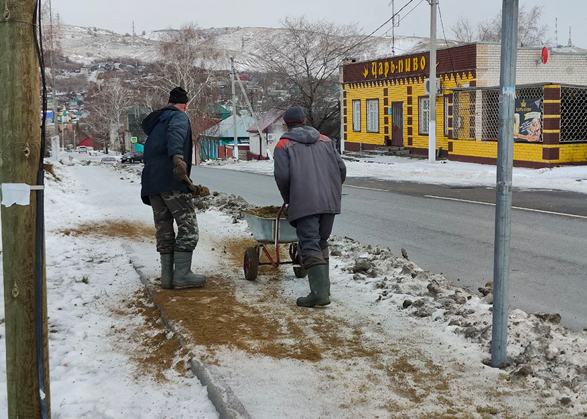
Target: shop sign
<point>528,120</point>
<point>394,66</point>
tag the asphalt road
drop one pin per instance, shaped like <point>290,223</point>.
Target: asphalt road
<point>455,238</point>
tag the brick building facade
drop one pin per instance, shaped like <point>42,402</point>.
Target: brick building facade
<point>385,103</point>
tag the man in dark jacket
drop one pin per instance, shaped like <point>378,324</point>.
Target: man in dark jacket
<point>168,160</point>
<point>309,173</point>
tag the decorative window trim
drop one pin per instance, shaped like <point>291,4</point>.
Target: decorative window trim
<point>423,115</point>
<point>373,120</point>
<point>356,115</point>
<point>446,105</point>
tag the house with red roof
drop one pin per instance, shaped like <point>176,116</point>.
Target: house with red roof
<point>262,144</point>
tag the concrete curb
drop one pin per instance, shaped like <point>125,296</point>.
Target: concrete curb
<point>220,394</point>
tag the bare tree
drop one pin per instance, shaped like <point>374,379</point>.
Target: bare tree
<point>107,103</point>
<point>306,59</point>
<point>530,31</point>
<point>464,30</point>
<point>188,57</point>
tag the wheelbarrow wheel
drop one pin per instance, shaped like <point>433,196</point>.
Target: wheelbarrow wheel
<point>251,264</point>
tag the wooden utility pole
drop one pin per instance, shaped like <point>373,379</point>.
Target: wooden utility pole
<point>20,141</point>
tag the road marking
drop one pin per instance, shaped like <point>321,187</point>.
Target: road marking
<point>365,187</point>
<point>513,207</point>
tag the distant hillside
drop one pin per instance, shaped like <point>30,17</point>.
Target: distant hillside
<point>87,45</point>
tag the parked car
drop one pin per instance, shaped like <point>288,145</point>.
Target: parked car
<point>132,157</point>
<point>108,160</point>
<point>82,149</point>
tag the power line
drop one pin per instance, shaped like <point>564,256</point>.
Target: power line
<point>380,26</point>
<point>353,46</point>
<point>446,42</point>
<point>405,16</point>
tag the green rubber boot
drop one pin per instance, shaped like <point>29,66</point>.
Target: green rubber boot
<point>183,277</point>
<point>326,256</point>
<point>319,284</point>
<point>167,271</point>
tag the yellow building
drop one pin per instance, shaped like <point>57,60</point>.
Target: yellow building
<point>386,103</point>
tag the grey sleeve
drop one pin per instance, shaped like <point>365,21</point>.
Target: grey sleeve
<point>177,130</point>
<point>281,172</point>
<point>340,162</point>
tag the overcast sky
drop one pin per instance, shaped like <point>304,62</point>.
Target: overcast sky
<point>118,15</point>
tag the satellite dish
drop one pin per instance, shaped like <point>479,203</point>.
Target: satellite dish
<point>544,55</point>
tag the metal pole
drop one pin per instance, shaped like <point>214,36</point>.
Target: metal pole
<point>432,83</point>
<point>234,112</point>
<point>393,27</point>
<point>341,99</point>
<point>253,114</point>
<point>505,153</point>
<point>55,124</point>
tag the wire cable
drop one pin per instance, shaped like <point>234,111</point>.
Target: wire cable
<point>40,224</point>
<point>405,16</point>
<point>446,43</point>
<point>353,46</point>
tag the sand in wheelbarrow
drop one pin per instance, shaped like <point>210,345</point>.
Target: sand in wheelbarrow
<point>264,212</point>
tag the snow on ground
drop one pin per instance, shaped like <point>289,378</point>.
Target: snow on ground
<point>109,358</point>
<point>396,342</point>
<point>402,169</point>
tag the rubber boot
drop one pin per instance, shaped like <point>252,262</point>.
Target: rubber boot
<point>319,283</point>
<point>183,277</point>
<point>326,256</point>
<point>167,271</point>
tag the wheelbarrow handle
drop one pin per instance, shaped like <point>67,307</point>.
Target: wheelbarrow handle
<point>281,210</point>
<point>277,228</point>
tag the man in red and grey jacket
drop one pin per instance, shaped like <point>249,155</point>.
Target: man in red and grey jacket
<point>309,173</point>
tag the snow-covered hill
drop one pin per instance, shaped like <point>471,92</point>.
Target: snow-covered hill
<point>87,45</point>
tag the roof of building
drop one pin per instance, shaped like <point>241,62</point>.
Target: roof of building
<point>266,120</point>
<point>225,128</point>
<point>87,142</point>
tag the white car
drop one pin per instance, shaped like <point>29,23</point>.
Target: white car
<point>108,160</point>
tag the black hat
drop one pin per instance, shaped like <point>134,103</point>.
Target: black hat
<point>294,114</point>
<point>178,95</point>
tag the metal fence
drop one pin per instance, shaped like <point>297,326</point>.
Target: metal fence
<point>476,111</point>
<point>573,114</point>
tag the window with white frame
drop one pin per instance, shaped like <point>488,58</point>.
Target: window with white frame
<point>446,116</point>
<point>356,115</point>
<point>372,115</point>
<point>423,114</point>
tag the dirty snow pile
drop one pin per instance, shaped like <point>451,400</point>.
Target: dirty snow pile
<point>543,355</point>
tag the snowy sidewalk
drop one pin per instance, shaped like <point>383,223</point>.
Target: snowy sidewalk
<point>397,342</point>
<point>402,169</point>
<point>110,355</point>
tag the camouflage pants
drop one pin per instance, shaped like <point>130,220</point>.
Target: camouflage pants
<point>178,206</point>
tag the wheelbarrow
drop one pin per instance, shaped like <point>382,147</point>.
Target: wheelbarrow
<point>270,233</point>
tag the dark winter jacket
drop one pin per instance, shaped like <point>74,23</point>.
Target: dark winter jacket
<point>309,173</point>
<point>169,133</point>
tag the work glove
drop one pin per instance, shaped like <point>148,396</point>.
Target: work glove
<point>196,191</point>
<point>204,191</point>
<point>180,169</point>
<point>199,191</point>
